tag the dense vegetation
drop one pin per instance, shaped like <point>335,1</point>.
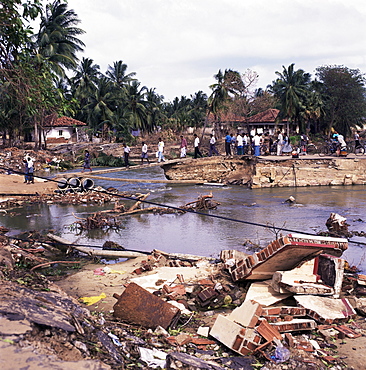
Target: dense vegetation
<point>35,70</point>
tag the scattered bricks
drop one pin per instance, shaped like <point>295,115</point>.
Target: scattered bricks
<point>267,331</point>
<point>207,294</point>
<point>177,290</point>
<point>206,283</point>
<point>347,331</point>
<point>295,325</point>
<point>201,341</point>
<point>305,346</point>
<point>247,314</point>
<point>289,339</point>
<point>138,306</point>
<point>183,339</point>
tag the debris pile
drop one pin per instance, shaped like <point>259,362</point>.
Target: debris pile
<point>292,304</point>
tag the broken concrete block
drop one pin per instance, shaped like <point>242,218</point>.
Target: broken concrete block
<point>225,330</point>
<point>138,306</point>
<point>295,325</point>
<point>203,330</point>
<point>286,253</point>
<point>247,314</point>
<point>337,224</point>
<point>263,293</point>
<point>234,336</point>
<point>326,310</point>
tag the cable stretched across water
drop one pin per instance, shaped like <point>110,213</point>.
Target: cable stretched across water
<point>230,219</point>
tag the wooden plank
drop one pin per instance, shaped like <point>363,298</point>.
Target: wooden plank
<point>108,253</point>
<point>58,239</point>
<point>145,180</point>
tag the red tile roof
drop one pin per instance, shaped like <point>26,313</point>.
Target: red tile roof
<point>268,116</point>
<point>54,121</point>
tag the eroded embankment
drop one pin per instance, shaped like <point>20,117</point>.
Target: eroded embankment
<point>272,171</point>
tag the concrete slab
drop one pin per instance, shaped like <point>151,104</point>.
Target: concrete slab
<point>263,293</point>
<point>326,310</point>
<point>247,314</point>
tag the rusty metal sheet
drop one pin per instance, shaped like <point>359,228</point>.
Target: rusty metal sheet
<point>138,306</point>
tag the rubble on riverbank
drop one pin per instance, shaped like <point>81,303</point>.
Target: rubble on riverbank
<point>213,320</point>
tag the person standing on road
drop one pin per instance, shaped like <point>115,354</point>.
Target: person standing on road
<point>213,146</point>
<point>161,150</point>
<point>257,145</point>
<point>279,142</point>
<point>86,165</point>
<point>126,154</point>
<point>25,170</point>
<point>239,144</point>
<point>144,154</point>
<point>183,147</point>
<point>197,152</point>
<point>228,144</point>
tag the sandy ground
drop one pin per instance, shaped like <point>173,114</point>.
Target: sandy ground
<point>86,283</point>
<point>14,184</point>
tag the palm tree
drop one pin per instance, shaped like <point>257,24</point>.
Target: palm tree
<point>84,85</point>
<point>100,108</point>
<point>154,109</point>
<point>135,104</point>
<point>57,40</point>
<point>117,74</point>
<point>291,89</point>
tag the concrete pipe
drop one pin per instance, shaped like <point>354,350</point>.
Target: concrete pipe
<point>62,184</point>
<point>74,183</point>
<point>86,184</point>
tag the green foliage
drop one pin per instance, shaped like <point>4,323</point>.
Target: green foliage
<point>344,95</point>
<point>105,160</point>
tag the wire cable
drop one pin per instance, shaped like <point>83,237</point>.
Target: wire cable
<point>189,210</point>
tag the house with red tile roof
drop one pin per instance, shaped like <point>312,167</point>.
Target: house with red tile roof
<point>62,129</point>
<point>266,121</point>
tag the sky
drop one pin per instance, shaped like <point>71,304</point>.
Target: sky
<point>177,46</point>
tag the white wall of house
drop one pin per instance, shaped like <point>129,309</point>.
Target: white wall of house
<point>56,132</point>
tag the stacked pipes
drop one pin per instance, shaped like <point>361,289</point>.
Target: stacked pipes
<point>75,184</point>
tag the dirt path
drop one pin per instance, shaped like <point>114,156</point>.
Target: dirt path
<point>14,184</point>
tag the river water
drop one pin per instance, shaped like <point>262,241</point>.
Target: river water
<point>201,234</point>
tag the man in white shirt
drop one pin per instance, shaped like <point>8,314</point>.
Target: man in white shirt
<point>279,143</point>
<point>257,145</point>
<point>144,153</point>
<point>197,152</point>
<point>161,150</point>
<point>213,146</point>
<point>239,144</point>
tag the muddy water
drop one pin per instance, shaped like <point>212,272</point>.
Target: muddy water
<point>201,234</point>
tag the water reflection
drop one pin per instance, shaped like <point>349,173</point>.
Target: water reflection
<point>199,234</point>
